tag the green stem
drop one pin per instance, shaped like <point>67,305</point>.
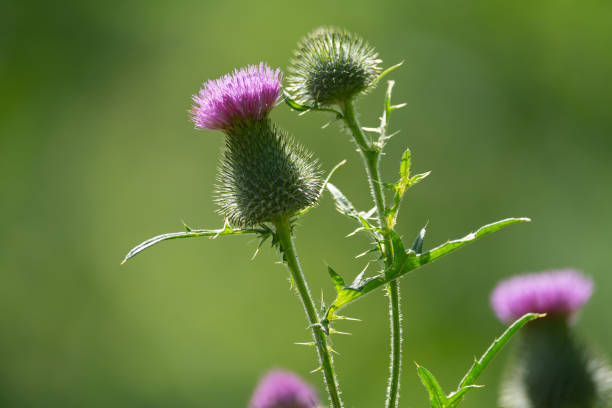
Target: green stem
<point>285,237</point>
<point>371,156</point>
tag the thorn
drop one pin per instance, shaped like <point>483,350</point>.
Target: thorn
<point>354,319</point>
<point>311,344</point>
<point>334,331</point>
<point>316,369</point>
<point>187,228</point>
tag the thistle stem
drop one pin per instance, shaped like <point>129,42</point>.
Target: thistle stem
<point>285,237</point>
<point>371,156</point>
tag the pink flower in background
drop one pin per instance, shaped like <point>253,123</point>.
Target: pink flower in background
<point>283,389</point>
<point>248,94</point>
<point>559,293</point>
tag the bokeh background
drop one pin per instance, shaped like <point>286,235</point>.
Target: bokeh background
<point>509,104</point>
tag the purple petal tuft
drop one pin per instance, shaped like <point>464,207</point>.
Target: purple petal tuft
<point>559,293</point>
<point>248,94</point>
<point>283,389</point>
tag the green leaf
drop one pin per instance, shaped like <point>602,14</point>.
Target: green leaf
<point>440,400</point>
<point>343,205</point>
<point>304,108</point>
<point>495,347</point>
<point>418,178</point>
<point>337,279</point>
<point>414,261</point>
<point>403,184</point>
<point>324,185</point>
<point>190,233</point>
<point>294,105</point>
<point>417,245</point>
<point>437,398</point>
<point>456,397</point>
<point>405,167</point>
<point>388,71</point>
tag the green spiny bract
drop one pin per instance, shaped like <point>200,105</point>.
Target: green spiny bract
<point>331,66</point>
<point>553,370</point>
<point>264,175</point>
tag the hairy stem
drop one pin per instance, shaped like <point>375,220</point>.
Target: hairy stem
<point>285,237</point>
<point>371,156</point>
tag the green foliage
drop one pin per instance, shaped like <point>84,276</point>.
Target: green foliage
<point>191,233</point>
<point>404,183</point>
<point>439,399</point>
<point>410,261</point>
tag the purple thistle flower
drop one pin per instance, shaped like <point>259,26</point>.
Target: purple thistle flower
<point>283,389</point>
<point>248,94</point>
<point>559,293</point>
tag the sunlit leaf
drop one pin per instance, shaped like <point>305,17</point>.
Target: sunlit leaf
<point>190,233</point>
<point>414,261</point>
<point>437,398</point>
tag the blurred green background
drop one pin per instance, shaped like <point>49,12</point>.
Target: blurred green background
<point>509,104</point>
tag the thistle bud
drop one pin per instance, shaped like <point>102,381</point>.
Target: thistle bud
<point>283,389</point>
<point>264,175</point>
<point>330,67</point>
<point>552,369</point>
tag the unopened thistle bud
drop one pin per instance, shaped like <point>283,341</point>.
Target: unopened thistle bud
<point>331,66</point>
<point>264,175</point>
<point>552,369</point>
<point>283,389</point>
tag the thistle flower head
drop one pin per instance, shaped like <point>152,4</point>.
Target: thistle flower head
<point>560,293</point>
<point>283,389</point>
<point>264,176</point>
<point>331,66</point>
<point>246,95</point>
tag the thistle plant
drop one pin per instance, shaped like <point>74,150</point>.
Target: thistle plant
<point>283,389</point>
<point>553,368</point>
<point>266,181</point>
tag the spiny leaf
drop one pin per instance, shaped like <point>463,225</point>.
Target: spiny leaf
<point>214,233</point>
<point>437,398</point>
<point>414,261</point>
<point>337,279</point>
<point>343,205</point>
<point>495,348</point>
<point>403,184</point>
<point>479,365</point>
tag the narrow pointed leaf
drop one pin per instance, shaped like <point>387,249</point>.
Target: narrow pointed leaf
<point>437,398</point>
<point>227,230</point>
<point>388,70</point>
<point>417,245</point>
<point>343,205</point>
<point>337,279</point>
<point>495,348</point>
<point>405,167</point>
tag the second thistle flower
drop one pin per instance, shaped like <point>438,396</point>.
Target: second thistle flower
<point>332,66</point>
<point>264,174</point>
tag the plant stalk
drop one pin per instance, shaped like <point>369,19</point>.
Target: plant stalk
<point>371,156</point>
<point>285,237</point>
